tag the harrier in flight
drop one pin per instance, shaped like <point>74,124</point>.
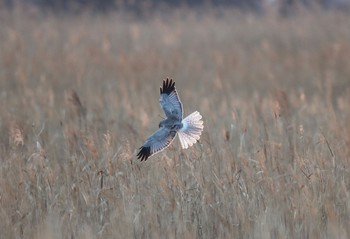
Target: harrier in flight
<point>189,129</point>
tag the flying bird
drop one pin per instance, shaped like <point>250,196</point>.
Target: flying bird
<point>189,129</point>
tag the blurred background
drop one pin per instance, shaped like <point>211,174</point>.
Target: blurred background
<point>79,94</point>
<point>136,6</point>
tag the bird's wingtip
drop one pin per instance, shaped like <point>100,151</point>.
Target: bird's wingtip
<point>168,86</point>
<point>144,153</point>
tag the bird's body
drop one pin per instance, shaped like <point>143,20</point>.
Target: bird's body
<point>170,123</point>
<point>188,129</point>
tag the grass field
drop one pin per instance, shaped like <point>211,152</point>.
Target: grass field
<point>79,95</point>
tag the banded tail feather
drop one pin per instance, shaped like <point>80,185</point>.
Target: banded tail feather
<point>191,130</point>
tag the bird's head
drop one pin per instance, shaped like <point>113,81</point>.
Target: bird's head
<point>161,123</point>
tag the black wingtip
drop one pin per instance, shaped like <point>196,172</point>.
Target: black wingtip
<point>144,153</point>
<point>168,86</point>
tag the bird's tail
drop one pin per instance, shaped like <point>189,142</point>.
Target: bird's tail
<point>191,130</point>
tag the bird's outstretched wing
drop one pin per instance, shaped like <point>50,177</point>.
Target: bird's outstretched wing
<point>170,101</point>
<point>155,143</point>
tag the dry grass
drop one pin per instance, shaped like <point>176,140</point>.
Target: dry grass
<point>80,94</point>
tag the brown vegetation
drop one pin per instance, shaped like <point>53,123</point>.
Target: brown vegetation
<point>80,94</point>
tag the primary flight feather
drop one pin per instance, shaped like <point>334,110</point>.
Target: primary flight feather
<point>189,129</point>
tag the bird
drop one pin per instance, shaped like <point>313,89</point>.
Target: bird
<point>189,129</point>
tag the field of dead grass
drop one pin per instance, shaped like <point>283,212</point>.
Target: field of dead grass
<point>79,94</point>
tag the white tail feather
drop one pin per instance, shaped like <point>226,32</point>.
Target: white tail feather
<point>191,130</point>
